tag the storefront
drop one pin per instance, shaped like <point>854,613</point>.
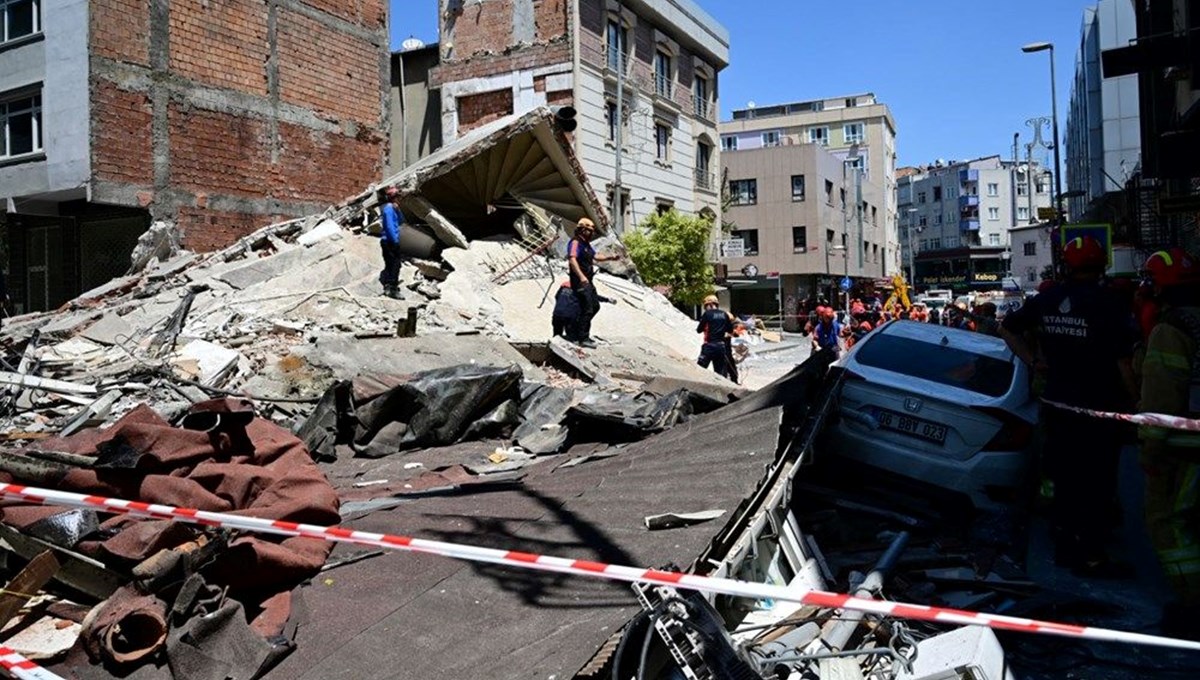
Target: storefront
<point>962,269</point>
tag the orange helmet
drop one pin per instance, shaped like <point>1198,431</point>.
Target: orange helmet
<point>826,312</point>
<point>1084,252</point>
<point>1173,267</point>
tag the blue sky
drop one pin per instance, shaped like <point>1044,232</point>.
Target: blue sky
<point>951,70</point>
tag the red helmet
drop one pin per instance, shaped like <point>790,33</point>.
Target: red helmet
<point>1173,267</point>
<point>1045,285</point>
<point>1084,252</point>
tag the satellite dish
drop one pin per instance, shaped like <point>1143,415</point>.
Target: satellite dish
<point>413,43</point>
<point>751,104</point>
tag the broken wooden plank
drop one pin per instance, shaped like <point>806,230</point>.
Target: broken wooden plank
<point>45,384</point>
<point>78,571</point>
<point>26,584</point>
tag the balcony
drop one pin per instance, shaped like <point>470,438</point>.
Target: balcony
<point>703,108</point>
<point>965,176</point>
<point>705,180</point>
<point>968,201</point>
<point>968,224</point>
<point>613,59</point>
<point>662,85</point>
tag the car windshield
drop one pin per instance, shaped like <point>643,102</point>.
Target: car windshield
<point>938,363</point>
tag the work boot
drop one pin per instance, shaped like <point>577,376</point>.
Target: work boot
<point>394,293</point>
<point>588,343</point>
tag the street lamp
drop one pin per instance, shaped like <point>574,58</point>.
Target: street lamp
<point>1042,47</point>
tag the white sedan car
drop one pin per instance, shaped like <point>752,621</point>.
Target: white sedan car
<point>946,407</point>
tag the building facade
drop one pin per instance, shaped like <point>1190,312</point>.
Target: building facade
<point>507,56</point>
<point>857,129</point>
<point>218,118</point>
<point>1032,255</point>
<point>415,106</point>
<point>1103,133</point>
<point>956,218</point>
<point>1164,196</point>
<point>799,227</point>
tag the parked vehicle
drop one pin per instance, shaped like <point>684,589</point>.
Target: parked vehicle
<point>939,405</point>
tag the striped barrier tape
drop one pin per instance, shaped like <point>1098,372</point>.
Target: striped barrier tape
<point>522,560</point>
<point>1152,419</point>
<point>19,667</point>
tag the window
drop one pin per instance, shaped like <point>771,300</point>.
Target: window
<point>729,143</point>
<point>749,239</point>
<point>829,236</point>
<point>617,45</point>
<point>700,96</point>
<point>951,241</point>
<point>920,197</point>
<point>842,195</point>
<point>743,191</point>
<point>818,106</point>
<point>993,213</point>
<point>1043,184</point>
<point>799,240</point>
<point>662,141</point>
<point>610,117</point>
<point>1022,188</point>
<point>1023,213</point>
<point>1031,274</point>
<point>874,215</point>
<point>856,163</point>
<point>993,239</point>
<point>1031,249</point>
<point>875,252</point>
<point>993,189</point>
<point>935,243</point>
<point>829,192</point>
<point>938,219</point>
<point>923,221</point>
<point>20,124</point>
<point>937,194</point>
<point>797,187</point>
<point>818,135</point>
<point>945,364</point>
<point>770,138</point>
<point>662,74</point>
<point>704,178</point>
<point>664,207</point>
<point>853,133</point>
<point>19,18</point>
<point>851,103</point>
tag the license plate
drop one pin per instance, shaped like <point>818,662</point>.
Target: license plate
<point>913,427</point>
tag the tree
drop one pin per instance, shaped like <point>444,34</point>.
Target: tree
<point>671,249</point>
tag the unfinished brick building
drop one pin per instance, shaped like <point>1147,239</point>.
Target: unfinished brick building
<point>218,115</point>
<point>507,56</point>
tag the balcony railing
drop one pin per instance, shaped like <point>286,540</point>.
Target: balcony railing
<point>968,225</point>
<point>968,201</point>
<point>662,85</point>
<point>703,108</point>
<point>705,180</point>
<point>613,60</point>
<point>968,175</point>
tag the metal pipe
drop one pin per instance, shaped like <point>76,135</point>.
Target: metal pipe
<point>837,633</point>
<point>622,39</point>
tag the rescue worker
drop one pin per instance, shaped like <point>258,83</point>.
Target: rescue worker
<point>827,332</point>
<point>856,333</point>
<point>716,324</point>
<point>1086,348</point>
<point>581,259</point>
<point>391,219</point>
<point>1171,458</point>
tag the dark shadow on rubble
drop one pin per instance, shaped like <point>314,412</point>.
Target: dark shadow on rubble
<point>546,589</point>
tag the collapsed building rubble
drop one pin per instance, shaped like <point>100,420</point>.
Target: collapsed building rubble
<point>272,379</point>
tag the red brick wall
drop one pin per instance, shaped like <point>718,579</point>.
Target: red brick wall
<point>120,30</point>
<point>480,109</point>
<point>560,98</point>
<point>221,43</point>
<point>550,17</point>
<point>121,140</point>
<point>306,155</point>
<point>205,230</point>
<point>483,40</point>
<point>218,152</point>
<point>335,74</point>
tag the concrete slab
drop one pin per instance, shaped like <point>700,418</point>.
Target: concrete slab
<point>347,357</point>
<point>267,268</point>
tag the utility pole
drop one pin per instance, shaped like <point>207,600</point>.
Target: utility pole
<point>1029,181</point>
<point>858,204</point>
<point>618,215</point>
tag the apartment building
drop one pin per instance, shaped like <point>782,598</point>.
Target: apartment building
<point>1103,133</point>
<point>665,56</point>
<point>219,118</point>
<point>856,129</point>
<point>956,218</point>
<point>798,232</point>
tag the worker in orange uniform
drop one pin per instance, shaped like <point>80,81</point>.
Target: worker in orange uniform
<point>1171,458</point>
<point>1086,344</point>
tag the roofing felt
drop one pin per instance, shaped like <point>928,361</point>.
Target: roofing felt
<point>409,615</point>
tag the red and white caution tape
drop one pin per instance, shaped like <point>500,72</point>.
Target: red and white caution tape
<point>522,560</point>
<point>19,667</point>
<point>1152,419</point>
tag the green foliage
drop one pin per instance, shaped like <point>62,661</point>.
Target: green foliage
<point>671,249</point>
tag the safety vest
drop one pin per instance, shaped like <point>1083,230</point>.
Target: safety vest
<point>1186,320</point>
